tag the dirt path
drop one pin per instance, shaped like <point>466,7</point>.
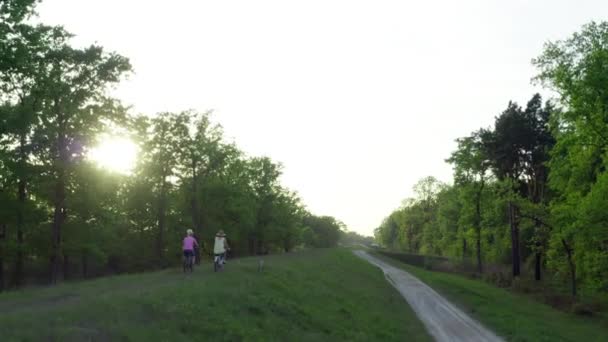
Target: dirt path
<point>444,321</point>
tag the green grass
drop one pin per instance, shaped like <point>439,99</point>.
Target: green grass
<point>320,295</point>
<point>513,316</point>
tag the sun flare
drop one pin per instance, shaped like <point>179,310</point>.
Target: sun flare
<point>115,153</point>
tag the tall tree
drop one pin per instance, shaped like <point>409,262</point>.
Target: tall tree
<point>265,175</point>
<point>24,54</point>
<point>537,171</point>
<point>200,154</point>
<point>161,158</point>
<point>471,166</point>
<point>75,109</point>
<point>508,148</point>
<point>576,69</point>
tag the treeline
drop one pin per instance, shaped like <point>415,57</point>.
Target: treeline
<point>354,239</point>
<point>531,191</point>
<point>62,216</point>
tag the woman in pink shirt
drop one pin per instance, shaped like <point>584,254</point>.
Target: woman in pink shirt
<point>188,248</point>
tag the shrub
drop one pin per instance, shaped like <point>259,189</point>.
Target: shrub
<point>582,309</point>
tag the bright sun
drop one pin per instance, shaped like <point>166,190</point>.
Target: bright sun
<point>115,153</point>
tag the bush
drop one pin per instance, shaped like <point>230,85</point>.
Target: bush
<point>498,279</point>
<point>429,264</point>
<point>525,285</point>
<point>582,309</point>
<point>558,301</point>
<point>424,261</point>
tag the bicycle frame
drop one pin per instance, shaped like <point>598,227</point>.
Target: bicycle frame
<point>218,261</point>
<point>189,263</point>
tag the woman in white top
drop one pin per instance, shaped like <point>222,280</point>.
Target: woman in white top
<point>221,245</point>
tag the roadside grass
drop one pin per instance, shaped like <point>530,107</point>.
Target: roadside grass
<point>318,295</point>
<point>513,316</point>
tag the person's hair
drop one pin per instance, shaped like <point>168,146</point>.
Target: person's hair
<point>189,232</point>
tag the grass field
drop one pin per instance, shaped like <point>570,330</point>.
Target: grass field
<point>513,316</point>
<point>320,295</point>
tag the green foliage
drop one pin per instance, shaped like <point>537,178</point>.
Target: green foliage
<point>535,185</point>
<point>576,68</point>
<point>54,106</point>
<point>15,11</point>
<point>325,230</point>
<point>355,239</point>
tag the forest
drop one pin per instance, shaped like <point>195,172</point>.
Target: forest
<point>531,191</point>
<point>62,216</point>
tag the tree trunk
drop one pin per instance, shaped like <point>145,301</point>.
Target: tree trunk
<point>195,204</point>
<point>196,214</point>
<point>160,237</point>
<point>21,196</point>
<point>464,247</point>
<point>2,237</point>
<point>1,269</point>
<point>537,266</point>
<point>252,244</point>
<point>538,252</point>
<point>60,210</point>
<point>538,198</point>
<point>85,265</point>
<point>478,243</point>
<point>66,267</point>
<point>572,267</point>
<point>197,249</point>
<point>58,216</point>
<point>478,226</point>
<point>515,252</point>
<point>197,254</point>
<point>161,223</point>
<point>410,242</point>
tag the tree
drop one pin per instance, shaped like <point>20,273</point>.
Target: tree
<point>388,232</point>
<point>13,13</point>
<point>537,171</point>
<point>510,148</point>
<point>25,51</point>
<point>354,238</point>
<point>74,110</point>
<point>326,230</point>
<point>449,208</point>
<point>423,213</point>
<point>200,153</point>
<point>158,167</point>
<point>265,175</point>
<point>97,217</point>
<point>470,172</point>
<point>576,69</point>
<point>54,106</point>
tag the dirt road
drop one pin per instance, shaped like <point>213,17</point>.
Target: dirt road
<point>444,321</point>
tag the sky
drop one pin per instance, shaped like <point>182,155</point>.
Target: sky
<point>357,99</point>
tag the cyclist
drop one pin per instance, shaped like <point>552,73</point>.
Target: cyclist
<point>220,246</point>
<point>188,246</point>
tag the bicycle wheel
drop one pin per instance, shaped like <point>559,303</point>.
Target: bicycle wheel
<point>216,265</point>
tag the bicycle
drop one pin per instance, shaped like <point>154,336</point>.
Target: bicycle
<point>218,261</point>
<point>189,262</point>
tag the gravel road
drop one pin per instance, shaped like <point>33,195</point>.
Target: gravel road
<point>444,321</point>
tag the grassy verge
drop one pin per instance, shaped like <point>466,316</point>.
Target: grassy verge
<point>316,295</point>
<point>513,316</point>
